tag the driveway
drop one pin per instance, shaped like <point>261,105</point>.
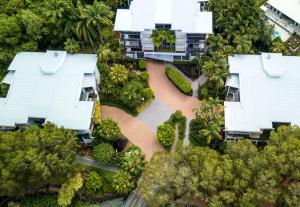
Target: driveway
<point>134,129</point>
<point>167,93</point>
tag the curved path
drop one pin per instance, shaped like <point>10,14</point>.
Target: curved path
<point>141,130</point>
<point>166,92</point>
<point>134,129</point>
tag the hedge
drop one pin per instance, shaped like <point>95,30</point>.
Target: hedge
<point>179,81</point>
<point>178,118</point>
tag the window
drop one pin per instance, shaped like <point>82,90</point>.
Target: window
<point>202,6</point>
<point>36,121</point>
<point>162,26</point>
<point>276,125</point>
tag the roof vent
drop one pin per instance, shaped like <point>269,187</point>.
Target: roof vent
<point>273,64</point>
<point>52,61</point>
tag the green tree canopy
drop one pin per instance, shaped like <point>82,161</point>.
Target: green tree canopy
<point>166,135</point>
<point>103,153</point>
<point>167,180</point>
<point>93,183</point>
<point>107,129</point>
<point>36,158</point>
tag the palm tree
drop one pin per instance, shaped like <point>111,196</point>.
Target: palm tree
<point>92,19</point>
<point>63,14</point>
<point>104,53</point>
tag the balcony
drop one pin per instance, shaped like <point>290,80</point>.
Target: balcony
<point>88,94</point>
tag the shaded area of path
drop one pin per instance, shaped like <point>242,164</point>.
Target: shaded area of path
<point>167,93</point>
<point>92,163</point>
<point>134,129</point>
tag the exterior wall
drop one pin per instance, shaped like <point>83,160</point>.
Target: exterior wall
<point>282,20</point>
<point>139,45</point>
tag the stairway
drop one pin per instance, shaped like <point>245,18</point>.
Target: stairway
<point>135,200</point>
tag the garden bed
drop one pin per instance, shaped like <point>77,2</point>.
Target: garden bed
<point>188,68</point>
<point>179,80</point>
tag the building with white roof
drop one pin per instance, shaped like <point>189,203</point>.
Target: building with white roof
<point>263,92</point>
<point>186,19</point>
<point>50,86</point>
<point>284,15</point>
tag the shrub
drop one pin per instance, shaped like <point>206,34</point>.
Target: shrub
<point>67,191</point>
<point>166,135</point>
<point>123,182</point>
<point>132,94</point>
<point>142,64</point>
<point>93,183</point>
<point>178,118</point>
<point>133,161</point>
<point>203,92</point>
<point>41,201</point>
<point>71,46</point>
<point>179,81</point>
<point>144,76</point>
<point>107,129</point>
<point>103,153</point>
<point>97,116</point>
<point>119,74</point>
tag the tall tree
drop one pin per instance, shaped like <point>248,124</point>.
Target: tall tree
<point>36,158</point>
<point>92,19</point>
<point>168,180</point>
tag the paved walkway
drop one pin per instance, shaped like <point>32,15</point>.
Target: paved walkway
<point>155,114</point>
<point>141,130</point>
<point>167,93</point>
<point>134,129</point>
<point>92,163</point>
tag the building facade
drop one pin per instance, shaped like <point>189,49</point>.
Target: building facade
<point>262,93</point>
<point>50,86</point>
<point>284,15</point>
<point>186,20</point>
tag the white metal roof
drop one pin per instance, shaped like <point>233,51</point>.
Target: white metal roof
<point>183,15</point>
<point>54,94</point>
<point>269,92</point>
<point>290,8</point>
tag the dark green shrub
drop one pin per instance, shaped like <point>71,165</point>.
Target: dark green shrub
<point>203,92</point>
<point>41,201</point>
<point>103,153</point>
<point>123,182</point>
<point>142,64</point>
<point>106,129</point>
<point>179,81</point>
<point>144,76</point>
<point>166,135</point>
<point>133,161</point>
<point>93,183</point>
<point>178,118</point>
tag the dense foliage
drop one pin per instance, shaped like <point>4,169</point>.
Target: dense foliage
<point>67,191</point>
<point>123,182</point>
<point>205,130</point>
<point>242,176</point>
<point>133,161</point>
<point>36,158</point>
<point>93,183</point>
<point>179,80</point>
<point>163,37</point>
<point>166,135</point>
<point>240,28</point>
<point>124,88</point>
<point>178,119</point>
<point>53,24</point>
<point>103,153</point>
<point>107,130</point>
